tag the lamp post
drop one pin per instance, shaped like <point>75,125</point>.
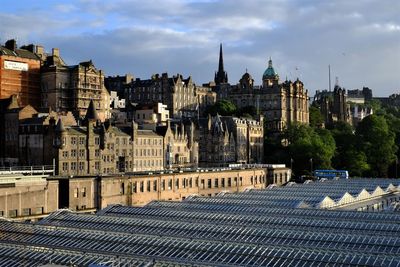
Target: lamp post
<point>311,166</point>
<point>291,164</point>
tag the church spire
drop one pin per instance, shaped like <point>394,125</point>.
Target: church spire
<point>221,60</point>
<point>221,76</point>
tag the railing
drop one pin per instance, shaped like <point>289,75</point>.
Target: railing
<point>44,169</point>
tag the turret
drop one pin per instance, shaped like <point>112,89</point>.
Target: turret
<point>60,134</point>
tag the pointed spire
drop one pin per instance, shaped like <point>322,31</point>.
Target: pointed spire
<point>270,63</point>
<point>91,113</point>
<point>221,60</point>
<point>221,76</point>
<point>60,126</point>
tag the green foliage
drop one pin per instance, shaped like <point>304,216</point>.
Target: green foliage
<point>347,155</point>
<point>309,148</point>
<point>247,112</point>
<point>222,107</point>
<point>378,143</point>
<point>316,118</point>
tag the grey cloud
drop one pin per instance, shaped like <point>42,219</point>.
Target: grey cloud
<point>359,39</point>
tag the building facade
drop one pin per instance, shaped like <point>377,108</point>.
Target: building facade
<point>176,92</point>
<point>71,88</point>
<point>20,73</point>
<point>226,140</point>
<point>281,103</point>
<point>334,106</point>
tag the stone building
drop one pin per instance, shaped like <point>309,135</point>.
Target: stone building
<point>89,148</point>
<point>118,84</point>
<point>176,92</point>
<point>181,150</point>
<point>205,97</point>
<point>225,140</point>
<point>71,88</point>
<point>11,115</point>
<point>27,196</point>
<point>154,114</point>
<point>20,73</point>
<point>90,193</point>
<point>334,106</point>
<point>281,103</point>
<point>30,197</point>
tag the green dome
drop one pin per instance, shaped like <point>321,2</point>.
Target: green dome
<point>270,72</point>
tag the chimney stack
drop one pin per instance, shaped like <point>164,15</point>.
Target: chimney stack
<point>11,44</point>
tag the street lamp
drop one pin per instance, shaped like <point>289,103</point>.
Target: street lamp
<point>291,164</point>
<point>311,166</point>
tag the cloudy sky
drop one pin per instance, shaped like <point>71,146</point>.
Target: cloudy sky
<point>360,39</point>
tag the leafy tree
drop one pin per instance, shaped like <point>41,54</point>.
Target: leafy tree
<point>222,107</point>
<point>248,112</point>
<point>316,118</point>
<point>378,143</point>
<point>309,147</point>
<point>347,155</point>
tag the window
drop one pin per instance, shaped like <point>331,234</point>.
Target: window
<point>169,184</point>
<point>202,183</point>
<point>190,182</point>
<point>209,183</point>
<point>12,213</point>
<point>81,166</point>
<point>216,182</point>
<point>73,153</point>
<point>97,140</point>
<point>235,181</point>
<point>65,166</point>
<point>163,184</point>
<point>155,185</point>
<point>251,180</point>
<point>81,140</point>
<point>148,185</point>
<point>122,189</point>
<point>26,212</point>
<point>177,183</point>
<point>141,186</point>
<point>73,166</point>
<point>84,192</point>
<point>222,182</point>
<point>76,192</point>
<point>73,140</point>
<point>97,165</point>
<point>134,187</point>
<point>241,180</point>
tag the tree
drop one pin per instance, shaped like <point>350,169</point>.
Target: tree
<point>378,143</point>
<point>316,118</point>
<point>308,146</point>
<point>347,155</point>
<point>222,107</point>
<point>247,111</point>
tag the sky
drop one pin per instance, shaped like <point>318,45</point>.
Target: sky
<point>359,39</point>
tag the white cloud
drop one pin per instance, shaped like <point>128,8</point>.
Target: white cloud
<point>359,39</point>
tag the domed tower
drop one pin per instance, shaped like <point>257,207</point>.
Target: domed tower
<point>247,82</point>
<point>270,77</point>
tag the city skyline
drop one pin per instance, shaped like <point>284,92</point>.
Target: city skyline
<point>358,39</point>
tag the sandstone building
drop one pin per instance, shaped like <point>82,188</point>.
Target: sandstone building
<point>71,88</point>
<point>225,140</point>
<point>281,103</point>
<point>20,73</point>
